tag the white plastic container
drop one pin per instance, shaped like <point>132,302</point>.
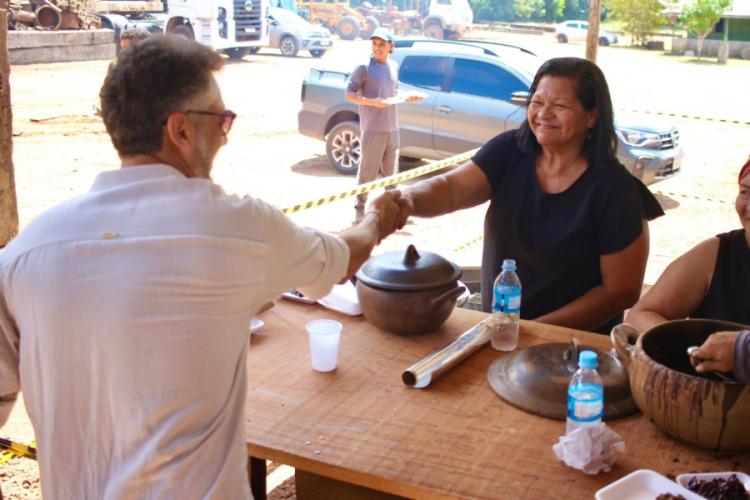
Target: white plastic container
<point>643,484</point>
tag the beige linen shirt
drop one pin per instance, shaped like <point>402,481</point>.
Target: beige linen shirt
<point>124,319</point>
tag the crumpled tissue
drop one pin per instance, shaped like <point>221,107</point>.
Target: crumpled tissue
<point>591,448</point>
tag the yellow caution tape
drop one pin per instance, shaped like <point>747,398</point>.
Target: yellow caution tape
<point>468,244</point>
<point>387,181</point>
<point>690,117</point>
<point>692,197</point>
<point>13,449</point>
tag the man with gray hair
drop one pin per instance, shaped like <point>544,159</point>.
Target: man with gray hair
<point>134,300</point>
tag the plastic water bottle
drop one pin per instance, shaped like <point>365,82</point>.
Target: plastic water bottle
<point>506,307</point>
<point>585,394</point>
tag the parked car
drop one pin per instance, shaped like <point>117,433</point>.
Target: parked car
<point>291,33</point>
<point>474,91</point>
<point>577,30</point>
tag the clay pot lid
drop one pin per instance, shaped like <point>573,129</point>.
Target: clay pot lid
<point>536,379</point>
<point>408,271</point>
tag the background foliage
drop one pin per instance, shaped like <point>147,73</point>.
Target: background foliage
<point>639,18</point>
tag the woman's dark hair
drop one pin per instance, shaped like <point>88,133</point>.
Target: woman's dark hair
<point>147,83</point>
<point>593,93</point>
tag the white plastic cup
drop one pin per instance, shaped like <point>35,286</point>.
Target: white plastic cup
<point>324,335</point>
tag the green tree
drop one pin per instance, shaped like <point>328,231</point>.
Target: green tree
<point>701,17</point>
<point>528,10</point>
<point>639,17</point>
<point>492,10</point>
<point>576,9</point>
<point>553,11</point>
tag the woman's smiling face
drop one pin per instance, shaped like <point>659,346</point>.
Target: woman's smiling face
<point>556,116</point>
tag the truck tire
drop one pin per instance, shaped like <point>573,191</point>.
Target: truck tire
<point>371,24</point>
<point>344,147</point>
<point>562,38</point>
<point>603,42</point>
<point>289,46</point>
<point>348,28</point>
<point>184,30</point>
<point>236,53</point>
<point>434,30</point>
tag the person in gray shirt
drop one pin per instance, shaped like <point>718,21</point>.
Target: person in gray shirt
<point>370,86</point>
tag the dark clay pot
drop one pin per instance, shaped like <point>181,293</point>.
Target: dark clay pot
<point>697,409</point>
<point>408,292</point>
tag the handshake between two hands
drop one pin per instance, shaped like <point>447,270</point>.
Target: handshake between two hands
<point>394,208</point>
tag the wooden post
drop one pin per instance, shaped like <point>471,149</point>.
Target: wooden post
<point>8,204</point>
<point>592,37</point>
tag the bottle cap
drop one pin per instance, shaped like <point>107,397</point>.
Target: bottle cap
<point>509,265</point>
<point>587,360</point>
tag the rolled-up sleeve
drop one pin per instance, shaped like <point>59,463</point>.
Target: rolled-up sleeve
<point>742,357</point>
<point>9,348</point>
<point>303,258</point>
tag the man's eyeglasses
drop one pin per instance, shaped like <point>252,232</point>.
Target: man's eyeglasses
<point>226,115</point>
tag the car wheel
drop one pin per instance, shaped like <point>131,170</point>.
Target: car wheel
<point>371,24</point>
<point>603,41</point>
<point>317,53</point>
<point>253,50</point>
<point>562,38</point>
<point>184,30</point>
<point>348,28</point>
<point>344,147</point>
<point>433,31</point>
<point>236,53</point>
<point>288,46</point>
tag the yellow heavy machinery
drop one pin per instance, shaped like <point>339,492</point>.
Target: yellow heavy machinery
<point>339,17</point>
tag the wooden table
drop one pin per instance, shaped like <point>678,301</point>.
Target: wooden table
<point>454,439</point>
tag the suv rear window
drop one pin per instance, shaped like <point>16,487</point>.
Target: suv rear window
<point>423,71</point>
<point>484,80</point>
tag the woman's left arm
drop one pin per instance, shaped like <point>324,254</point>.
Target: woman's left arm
<point>622,279</point>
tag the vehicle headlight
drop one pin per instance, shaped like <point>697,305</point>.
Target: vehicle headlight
<point>639,138</point>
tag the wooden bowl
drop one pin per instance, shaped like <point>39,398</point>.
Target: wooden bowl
<point>693,408</point>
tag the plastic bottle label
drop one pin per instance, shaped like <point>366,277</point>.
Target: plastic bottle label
<point>507,299</point>
<point>585,403</point>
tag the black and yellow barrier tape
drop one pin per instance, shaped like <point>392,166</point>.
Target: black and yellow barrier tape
<point>692,197</point>
<point>13,449</point>
<point>381,183</point>
<point>689,117</point>
<point>468,244</point>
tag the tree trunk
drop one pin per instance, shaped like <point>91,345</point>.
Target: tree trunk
<point>592,37</point>
<point>8,205</point>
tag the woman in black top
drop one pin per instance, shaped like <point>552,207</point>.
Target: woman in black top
<point>561,205</point>
<point>712,280</point>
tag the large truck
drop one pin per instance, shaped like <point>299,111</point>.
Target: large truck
<point>229,26</point>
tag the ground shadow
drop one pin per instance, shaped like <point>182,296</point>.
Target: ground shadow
<point>303,54</point>
<point>318,167</point>
<point>702,61</point>
<point>666,202</point>
<point>228,61</point>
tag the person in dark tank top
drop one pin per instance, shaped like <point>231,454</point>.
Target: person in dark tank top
<point>712,281</point>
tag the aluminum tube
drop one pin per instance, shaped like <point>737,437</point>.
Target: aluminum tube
<point>429,368</point>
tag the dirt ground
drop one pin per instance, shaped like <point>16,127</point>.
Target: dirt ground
<point>60,145</point>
